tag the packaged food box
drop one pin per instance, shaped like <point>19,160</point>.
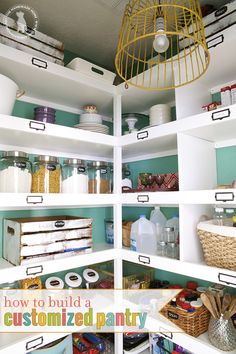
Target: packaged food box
<point>28,240</point>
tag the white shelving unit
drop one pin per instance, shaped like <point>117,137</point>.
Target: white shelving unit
<point>194,137</point>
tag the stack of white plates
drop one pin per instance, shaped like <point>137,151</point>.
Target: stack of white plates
<point>90,118</point>
<point>159,114</point>
<point>93,127</point>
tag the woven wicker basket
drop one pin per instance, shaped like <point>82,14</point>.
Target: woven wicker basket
<point>126,228</point>
<point>193,323</point>
<point>218,244</point>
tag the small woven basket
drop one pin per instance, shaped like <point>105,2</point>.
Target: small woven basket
<point>218,244</point>
<point>193,323</point>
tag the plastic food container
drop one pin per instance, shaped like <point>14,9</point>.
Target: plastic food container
<point>46,175</point>
<point>8,93</point>
<point>99,177</point>
<point>15,172</point>
<point>109,232</point>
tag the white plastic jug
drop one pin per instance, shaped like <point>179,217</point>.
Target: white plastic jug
<point>143,236</point>
<point>159,219</point>
<point>174,222</point>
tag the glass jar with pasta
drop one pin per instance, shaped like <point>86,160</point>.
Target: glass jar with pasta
<point>46,176</point>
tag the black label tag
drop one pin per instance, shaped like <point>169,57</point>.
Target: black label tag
<point>51,167</point>
<point>127,173</point>
<point>21,164</point>
<point>173,315</point>
<point>54,282</point>
<point>81,169</point>
<point>103,171</point>
<point>59,223</point>
<point>73,277</point>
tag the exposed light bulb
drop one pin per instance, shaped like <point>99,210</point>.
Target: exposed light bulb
<point>161,42</point>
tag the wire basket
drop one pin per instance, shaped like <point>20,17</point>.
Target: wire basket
<point>218,244</point>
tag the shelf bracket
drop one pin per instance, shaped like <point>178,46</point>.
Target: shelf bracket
<point>224,197</point>
<point>34,343</point>
<point>227,279</point>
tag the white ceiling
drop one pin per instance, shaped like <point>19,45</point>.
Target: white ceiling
<point>87,27</point>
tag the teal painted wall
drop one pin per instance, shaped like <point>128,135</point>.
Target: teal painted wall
<point>226,165</point>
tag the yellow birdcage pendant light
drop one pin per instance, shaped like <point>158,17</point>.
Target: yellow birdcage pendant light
<point>162,44</point>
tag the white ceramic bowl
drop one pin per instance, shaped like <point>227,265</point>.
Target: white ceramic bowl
<point>8,93</point>
<point>91,118</point>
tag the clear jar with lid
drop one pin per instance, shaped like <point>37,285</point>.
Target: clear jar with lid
<point>172,250</point>
<point>74,176</point>
<point>161,249</point>
<point>15,172</point>
<point>126,176</point>
<point>169,234</point>
<point>99,177</point>
<point>46,175</point>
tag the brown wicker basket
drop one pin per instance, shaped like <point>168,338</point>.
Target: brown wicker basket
<point>218,244</point>
<point>193,323</point>
<point>126,228</point>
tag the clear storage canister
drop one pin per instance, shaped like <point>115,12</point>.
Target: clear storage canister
<point>99,177</point>
<point>46,175</point>
<point>15,172</point>
<point>74,176</point>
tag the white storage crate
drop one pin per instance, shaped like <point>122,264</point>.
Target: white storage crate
<point>28,240</point>
<point>215,22</point>
<point>91,70</point>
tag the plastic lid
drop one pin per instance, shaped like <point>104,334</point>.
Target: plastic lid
<point>229,211</point>
<point>219,210</point>
<point>90,275</point>
<point>54,283</point>
<point>98,164</point>
<point>226,88</point>
<point>74,162</point>
<point>169,229</point>
<point>73,280</point>
<point>43,158</point>
<point>15,154</point>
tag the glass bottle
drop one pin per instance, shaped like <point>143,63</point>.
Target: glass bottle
<point>229,214</point>
<point>169,234</point>
<point>161,249</point>
<point>172,250</point>
<point>46,175</point>
<point>15,172</point>
<point>219,216</point>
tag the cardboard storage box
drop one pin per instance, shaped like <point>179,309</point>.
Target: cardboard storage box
<point>29,240</point>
